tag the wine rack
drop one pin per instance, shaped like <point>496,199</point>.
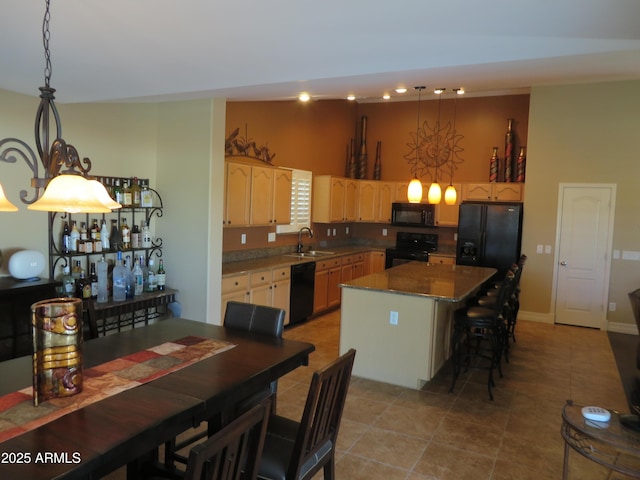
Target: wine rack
<point>58,258</point>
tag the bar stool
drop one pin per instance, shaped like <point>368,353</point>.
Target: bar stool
<point>479,337</point>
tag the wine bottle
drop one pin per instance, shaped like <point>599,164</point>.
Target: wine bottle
<point>66,238</point>
<point>68,283</point>
<point>138,279</point>
<point>117,192</point>
<point>93,281</point>
<point>135,192</point>
<point>104,236</point>
<point>126,235</point>
<point>103,281</point>
<point>146,236</point>
<point>146,196</point>
<point>152,281</point>
<point>136,237</point>
<point>75,237</point>
<point>161,277</point>
<point>119,280</point>
<point>126,194</point>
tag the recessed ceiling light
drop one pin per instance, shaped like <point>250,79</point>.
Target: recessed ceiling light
<point>304,97</point>
<point>351,98</point>
<point>386,96</point>
<point>401,90</point>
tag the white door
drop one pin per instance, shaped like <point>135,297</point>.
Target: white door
<point>585,225</point>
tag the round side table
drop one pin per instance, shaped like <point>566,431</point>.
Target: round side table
<point>610,444</point>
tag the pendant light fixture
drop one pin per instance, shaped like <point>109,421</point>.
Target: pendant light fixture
<point>6,205</point>
<point>435,192</point>
<point>450,194</point>
<point>414,191</point>
<point>65,190</point>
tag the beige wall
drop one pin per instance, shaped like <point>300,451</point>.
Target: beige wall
<point>581,134</point>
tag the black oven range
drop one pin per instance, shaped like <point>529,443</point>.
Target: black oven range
<point>411,247</point>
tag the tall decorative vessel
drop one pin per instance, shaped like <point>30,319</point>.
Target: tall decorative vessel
<point>521,164</point>
<point>508,152</point>
<point>377,165</point>
<point>493,166</point>
<point>362,157</point>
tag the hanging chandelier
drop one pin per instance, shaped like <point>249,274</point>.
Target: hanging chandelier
<point>414,191</point>
<point>65,183</point>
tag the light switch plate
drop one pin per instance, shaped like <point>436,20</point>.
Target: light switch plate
<point>539,248</point>
<point>384,232</point>
<point>271,237</point>
<point>243,238</point>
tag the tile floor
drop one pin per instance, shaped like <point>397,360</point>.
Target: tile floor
<point>391,432</point>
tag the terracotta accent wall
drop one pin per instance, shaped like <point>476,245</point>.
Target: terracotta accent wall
<point>314,136</point>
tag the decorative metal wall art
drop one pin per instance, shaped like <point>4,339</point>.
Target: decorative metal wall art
<point>432,147</point>
<point>235,146</point>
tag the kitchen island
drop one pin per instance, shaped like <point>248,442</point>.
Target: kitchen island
<point>400,320</point>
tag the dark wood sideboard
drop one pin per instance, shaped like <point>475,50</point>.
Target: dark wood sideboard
<point>16,298</point>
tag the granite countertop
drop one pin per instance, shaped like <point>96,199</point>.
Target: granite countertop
<point>444,282</point>
<point>245,266</point>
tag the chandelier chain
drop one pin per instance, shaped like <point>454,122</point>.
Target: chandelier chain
<point>46,35</point>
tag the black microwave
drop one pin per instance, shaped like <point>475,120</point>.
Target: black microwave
<point>413,214</point>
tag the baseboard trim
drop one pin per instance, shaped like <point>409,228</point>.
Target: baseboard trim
<point>535,317</point>
<point>617,327</point>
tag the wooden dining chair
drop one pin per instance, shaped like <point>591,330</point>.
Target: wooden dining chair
<point>248,317</point>
<point>298,450</point>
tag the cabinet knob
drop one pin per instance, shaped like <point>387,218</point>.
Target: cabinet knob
<point>237,284</point>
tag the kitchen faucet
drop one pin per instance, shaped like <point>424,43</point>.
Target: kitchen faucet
<point>299,247</point>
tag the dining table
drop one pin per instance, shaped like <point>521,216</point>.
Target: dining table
<point>118,430</point>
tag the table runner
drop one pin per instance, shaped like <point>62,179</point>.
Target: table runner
<point>18,415</point>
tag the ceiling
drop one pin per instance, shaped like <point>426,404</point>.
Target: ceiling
<point>152,50</point>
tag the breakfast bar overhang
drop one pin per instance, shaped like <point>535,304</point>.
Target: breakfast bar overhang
<point>400,320</point>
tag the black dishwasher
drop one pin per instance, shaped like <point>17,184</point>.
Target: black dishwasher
<point>302,281</point>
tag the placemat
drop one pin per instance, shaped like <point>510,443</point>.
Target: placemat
<point>18,415</point>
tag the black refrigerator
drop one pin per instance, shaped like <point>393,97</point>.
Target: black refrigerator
<point>489,234</point>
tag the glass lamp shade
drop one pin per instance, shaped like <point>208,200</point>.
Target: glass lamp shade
<point>6,205</point>
<point>450,195</point>
<point>414,191</point>
<point>71,194</point>
<point>435,193</point>
<point>103,196</point>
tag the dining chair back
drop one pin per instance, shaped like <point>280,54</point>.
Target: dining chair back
<point>254,318</point>
<point>299,450</point>
<point>233,452</point>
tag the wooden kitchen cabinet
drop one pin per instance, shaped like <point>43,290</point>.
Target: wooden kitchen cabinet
<point>270,196</point>
<point>368,201</point>
<point>281,282</point>
<point>236,288</point>
<point>375,262</point>
<point>447,215</point>
<point>237,198</point>
<point>326,289</point>
<point>496,191</point>
<point>335,199</point>
<point>386,195</point>
<point>442,259</point>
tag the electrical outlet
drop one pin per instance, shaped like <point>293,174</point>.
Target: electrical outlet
<point>455,237</point>
<point>328,232</point>
<point>243,238</point>
<point>334,232</point>
<point>271,237</point>
<point>612,306</point>
<point>384,232</point>
<point>346,230</point>
<point>393,318</point>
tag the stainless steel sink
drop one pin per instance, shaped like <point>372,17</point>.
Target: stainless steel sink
<point>310,253</point>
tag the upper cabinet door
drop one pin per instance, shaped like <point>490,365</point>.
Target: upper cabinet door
<point>351,200</point>
<point>367,200</point>
<point>238,194</point>
<point>261,195</point>
<point>386,194</point>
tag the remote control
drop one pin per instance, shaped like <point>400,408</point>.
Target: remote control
<point>596,414</point>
